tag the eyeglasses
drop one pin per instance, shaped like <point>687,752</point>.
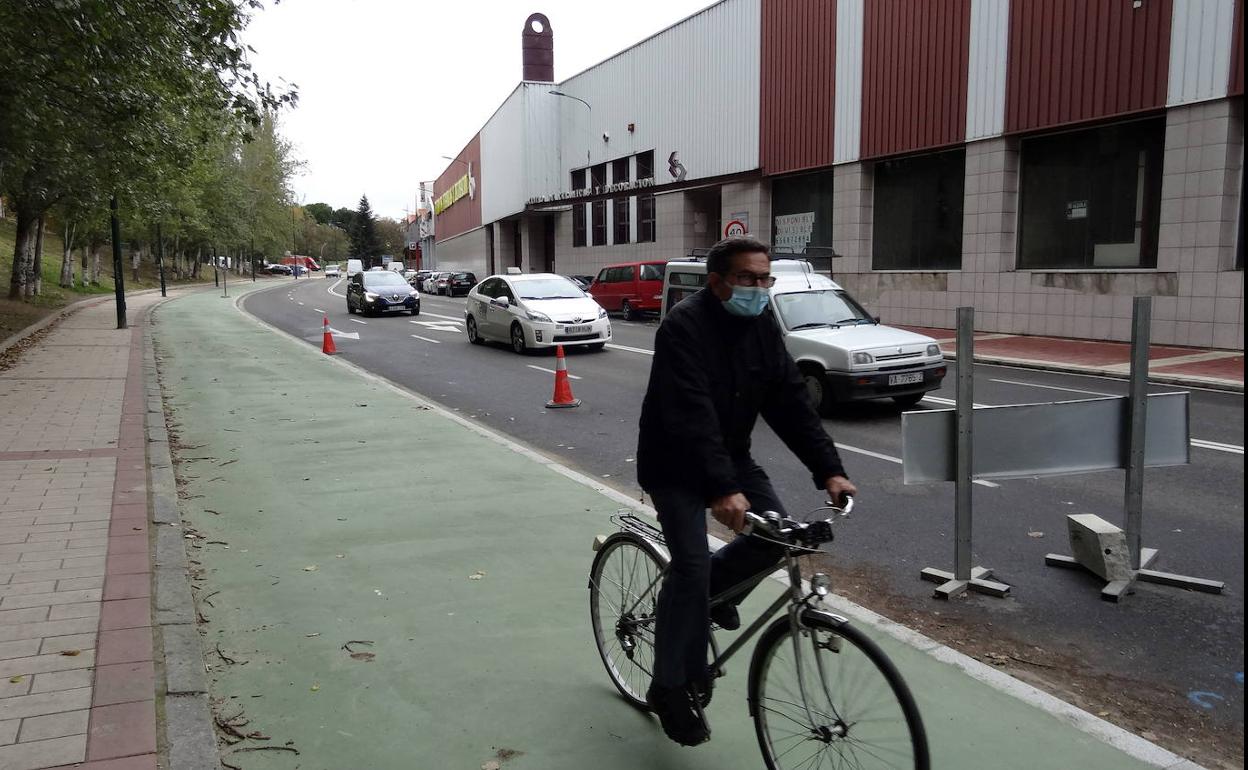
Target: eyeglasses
<point>746,278</point>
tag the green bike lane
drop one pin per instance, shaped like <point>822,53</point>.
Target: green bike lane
<point>332,508</point>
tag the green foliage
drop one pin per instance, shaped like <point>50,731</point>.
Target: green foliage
<point>391,237</point>
<point>321,212</point>
<point>365,241</point>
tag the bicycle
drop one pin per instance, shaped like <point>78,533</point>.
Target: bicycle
<point>803,668</point>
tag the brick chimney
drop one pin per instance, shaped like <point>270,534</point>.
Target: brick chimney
<point>539,49</point>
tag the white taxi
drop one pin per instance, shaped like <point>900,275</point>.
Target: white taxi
<point>537,310</point>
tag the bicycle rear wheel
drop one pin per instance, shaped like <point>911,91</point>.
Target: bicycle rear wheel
<point>623,592</point>
<point>829,693</point>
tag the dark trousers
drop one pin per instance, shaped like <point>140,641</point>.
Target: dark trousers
<point>682,623</point>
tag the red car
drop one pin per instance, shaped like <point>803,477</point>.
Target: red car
<point>631,288</point>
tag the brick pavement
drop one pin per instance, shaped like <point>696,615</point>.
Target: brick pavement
<point>77,680</point>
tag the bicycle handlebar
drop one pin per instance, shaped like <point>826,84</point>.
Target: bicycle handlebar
<point>772,525</point>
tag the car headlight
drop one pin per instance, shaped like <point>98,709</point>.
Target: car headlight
<point>368,295</point>
<point>933,350</point>
<point>413,293</point>
<point>863,358</point>
<point>533,315</point>
<point>602,313</point>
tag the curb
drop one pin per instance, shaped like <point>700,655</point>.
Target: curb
<point>189,740</point>
<point>1084,721</point>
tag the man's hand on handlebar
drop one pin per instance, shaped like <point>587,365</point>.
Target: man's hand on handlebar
<point>729,510</point>
<point>838,487</point>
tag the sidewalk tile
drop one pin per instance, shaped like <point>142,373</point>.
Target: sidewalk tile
<point>79,584</point>
<point>22,648</point>
<point>127,564</point>
<point>78,610</point>
<point>128,525</point>
<point>40,754</point>
<point>26,615</point>
<point>8,731</point>
<point>24,589</point>
<point>45,703</point>
<point>47,662</point>
<point>11,689</point>
<point>52,597</point>
<point>133,586</point>
<point>122,730</point>
<point>144,762</point>
<point>128,544</point>
<point>128,645</point>
<point>124,683</point>
<point>80,641</point>
<point>54,726</point>
<point>55,574</point>
<point>63,680</point>
<point>125,613</point>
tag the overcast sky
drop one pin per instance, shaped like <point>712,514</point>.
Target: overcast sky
<point>386,87</point>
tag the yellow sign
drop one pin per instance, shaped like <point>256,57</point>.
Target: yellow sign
<point>446,199</point>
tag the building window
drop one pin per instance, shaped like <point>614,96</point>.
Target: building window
<point>578,179</point>
<point>599,222</point>
<point>645,164</point>
<point>1092,198</point>
<point>619,171</point>
<point>621,220</point>
<point>645,219</point>
<point>578,224</point>
<point>598,175</point>
<point>801,208</point>
<point>918,212</point>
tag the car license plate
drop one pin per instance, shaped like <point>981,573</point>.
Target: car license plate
<point>913,378</point>
<point>577,329</point>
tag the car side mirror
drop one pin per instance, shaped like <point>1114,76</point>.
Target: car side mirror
<point>502,302</point>
<point>875,318</point>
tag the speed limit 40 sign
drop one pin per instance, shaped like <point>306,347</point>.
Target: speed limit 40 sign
<point>734,228</point>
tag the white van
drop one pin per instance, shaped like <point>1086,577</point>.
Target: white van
<point>354,266</point>
<point>843,351</point>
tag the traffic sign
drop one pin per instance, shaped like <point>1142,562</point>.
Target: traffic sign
<point>734,228</point>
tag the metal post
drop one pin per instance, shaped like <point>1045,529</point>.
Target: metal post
<point>160,258</point>
<point>1137,404</point>
<point>965,406</point>
<point>252,254</point>
<point>216,268</point>
<point>119,281</point>
<point>225,275</point>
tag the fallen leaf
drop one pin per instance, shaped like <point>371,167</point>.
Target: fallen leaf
<point>310,568</point>
<point>1102,713</point>
<point>315,687</point>
<point>1148,735</point>
<point>477,575</point>
<point>493,764</point>
<point>15,680</point>
<point>309,636</point>
<point>340,556</point>
<point>1035,534</point>
<point>367,657</point>
<point>71,653</point>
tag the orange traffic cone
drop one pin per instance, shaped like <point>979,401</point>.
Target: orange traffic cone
<point>327,340</point>
<point>563,397</point>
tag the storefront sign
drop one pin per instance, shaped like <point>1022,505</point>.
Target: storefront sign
<point>587,192</point>
<point>462,187</point>
<point>793,231</point>
<point>1077,210</point>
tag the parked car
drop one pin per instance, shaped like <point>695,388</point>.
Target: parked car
<point>843,352</point>
<point>631,288</point>
<point>539,310</point>
<point>428,284</point>
<point>437,283</point>
<point>280,270</point>
<point>409,274</point>
<point>333,271</point>
<point>459,283</point>
<point>418,279</point>
<point>380,291</point>
<point>582,281</point>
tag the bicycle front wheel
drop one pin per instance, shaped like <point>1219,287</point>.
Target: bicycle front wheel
<point>828,693</point>
<point>623,593</point>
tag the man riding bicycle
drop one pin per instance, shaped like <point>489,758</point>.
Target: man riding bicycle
<point>719,363</point>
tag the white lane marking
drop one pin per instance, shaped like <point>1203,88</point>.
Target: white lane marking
<point>1217,446</point>
<point>447,317</point>
<point>643,351</point>
<point>551,371</point>
<point>335,286</point>
<point>899,461</point>
<point>439,326</point>
<point>348,335</point>
<point>427,339</point>
<point>945,401</point>
<point>317,309</point>
<point>1052,387</point>
<point>357,321</point>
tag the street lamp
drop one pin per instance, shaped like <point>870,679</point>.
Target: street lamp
<point>588,106</point>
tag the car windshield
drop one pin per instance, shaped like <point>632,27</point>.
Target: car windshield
<point>381,280</point>
<point>548,288</point>
<point>812,309</point>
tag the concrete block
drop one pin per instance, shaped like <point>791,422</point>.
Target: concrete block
<point>1099,546</point>
<point>173,597</point>
<point>184,660</point>
<point>192,744</point>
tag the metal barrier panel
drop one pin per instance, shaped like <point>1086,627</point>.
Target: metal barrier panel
<point>1049,439</point>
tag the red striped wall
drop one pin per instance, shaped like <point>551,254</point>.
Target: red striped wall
<point>798,80</point>
<point>1237,51</point>
<point>914,75</point>
<point>1079,60</point>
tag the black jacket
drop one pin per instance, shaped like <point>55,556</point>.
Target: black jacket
<point>713,375</point>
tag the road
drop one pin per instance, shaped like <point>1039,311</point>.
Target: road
<point>1182,647</point>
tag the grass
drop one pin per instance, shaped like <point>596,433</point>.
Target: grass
<point>15,316</point>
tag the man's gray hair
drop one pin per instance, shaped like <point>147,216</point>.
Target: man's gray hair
<point>719,258</point>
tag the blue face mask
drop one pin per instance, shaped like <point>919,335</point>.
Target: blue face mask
<point>747,301</point>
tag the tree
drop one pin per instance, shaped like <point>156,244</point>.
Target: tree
<point>391,237</point>
<point>365,242</point>
<point>321,212</point>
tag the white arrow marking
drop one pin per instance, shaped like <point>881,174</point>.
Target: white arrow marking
<point>427,339</point>
<point>348,335</point>
<point>357,321</point>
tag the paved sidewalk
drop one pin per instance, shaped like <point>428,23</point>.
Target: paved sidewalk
<point>384,585</point>
<point>1167,363</point>
<point>76,670</point>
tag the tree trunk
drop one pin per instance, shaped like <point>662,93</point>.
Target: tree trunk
<point>95,263</point>
<point>177,258</point>
<point>21,254</point>
<point>86,276</point>
<point>135,256</point>
<point>35,284</point>
<point>199,252</point>
<point>67,258</point>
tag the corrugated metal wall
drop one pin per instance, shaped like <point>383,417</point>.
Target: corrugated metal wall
<point>848,131</point>
<point>1237,52</point>
<point>985,97</point>
<point>1200,50</point>
<point>914,75</point>
<point>1078,60</point>
<point>465,214</point>
<point>503,150</point>
<point>692,89</point>
<point>798,84</point>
